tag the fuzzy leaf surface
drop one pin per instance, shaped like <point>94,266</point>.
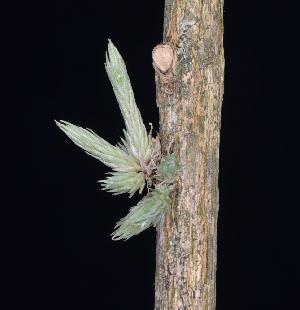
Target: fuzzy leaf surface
<point>148,212</point>
<point>124,182</point>
<point>168,169</point>
<point>138,141</point>
<point>110,155</point>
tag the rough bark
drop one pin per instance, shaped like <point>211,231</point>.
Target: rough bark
<point>189,97</point>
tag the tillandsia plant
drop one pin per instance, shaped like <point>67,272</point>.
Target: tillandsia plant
<point>136,161</point>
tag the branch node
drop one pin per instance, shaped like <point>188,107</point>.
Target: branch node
<point>164,62</point>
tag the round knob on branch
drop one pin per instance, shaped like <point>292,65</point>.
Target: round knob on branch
<point>163,56</point>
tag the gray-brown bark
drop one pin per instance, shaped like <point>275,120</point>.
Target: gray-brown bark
<point>189,97</point>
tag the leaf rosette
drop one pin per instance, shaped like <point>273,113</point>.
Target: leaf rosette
<point>134,160</point>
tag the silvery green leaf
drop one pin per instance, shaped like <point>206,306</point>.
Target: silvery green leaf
<point>168,169</point>
<point>124,182</point>
<point>112,156</point>
<point>148,212</point>
<point>138,141</point>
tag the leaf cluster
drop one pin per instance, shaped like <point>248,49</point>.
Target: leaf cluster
<point>134,160</point>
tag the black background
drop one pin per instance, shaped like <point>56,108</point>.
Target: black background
<point>56,245</point>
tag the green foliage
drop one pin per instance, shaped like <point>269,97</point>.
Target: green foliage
<point>168,169</point>
<point>124,182</point>
<point>138,142</point>
<point>112,156</point>
<point>133,160</point>
<point>129,158</point>
<point>148,212</point>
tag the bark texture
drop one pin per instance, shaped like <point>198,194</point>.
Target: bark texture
<point>189,97</point>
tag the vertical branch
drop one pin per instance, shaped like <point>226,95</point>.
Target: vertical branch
<point>189,72</point>
<point>167,14</point>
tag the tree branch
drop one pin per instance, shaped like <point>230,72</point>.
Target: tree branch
<point>189,97</point>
